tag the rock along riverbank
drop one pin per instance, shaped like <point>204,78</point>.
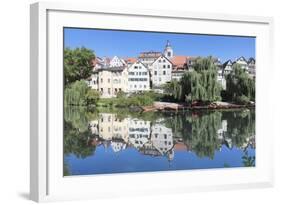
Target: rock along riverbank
<point>168,106</point>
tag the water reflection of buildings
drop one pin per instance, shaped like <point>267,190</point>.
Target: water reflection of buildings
<point>153,140</point>
<point>149,139</point>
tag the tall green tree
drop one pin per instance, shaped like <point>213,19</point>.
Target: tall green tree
<point>77,64</point>
<point>198,85</point>
<point>79,93</point>
<point>240,87</point>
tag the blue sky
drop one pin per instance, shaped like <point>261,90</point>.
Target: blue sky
<point>130,44</point>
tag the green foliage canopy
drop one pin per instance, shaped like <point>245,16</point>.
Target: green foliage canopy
<point>240,87</point>
<point>77,64</point>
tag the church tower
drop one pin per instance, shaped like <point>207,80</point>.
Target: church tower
<point>168,51</point>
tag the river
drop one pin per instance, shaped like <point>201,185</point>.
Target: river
<point>118,141</point>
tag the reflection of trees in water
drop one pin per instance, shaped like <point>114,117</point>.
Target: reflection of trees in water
<point>240,126</point>
<point>204,138</point>
<point>77,133</point>
<point>199,131</point>
<point>247,160</point>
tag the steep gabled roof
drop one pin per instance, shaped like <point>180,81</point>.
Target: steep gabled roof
<point>138,61</point>
<point>226,63</point>
<point>241,58</point>
<point>251,60</point>
<point>161,57</point>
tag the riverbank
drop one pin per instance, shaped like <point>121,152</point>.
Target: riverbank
<point>167,106</point>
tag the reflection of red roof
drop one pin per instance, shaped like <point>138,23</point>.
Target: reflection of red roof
<point>181,146</point>
<point>179,61</point>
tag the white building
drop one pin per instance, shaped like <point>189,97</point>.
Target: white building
<point>161,71</point>
<point>117,62</point>
<point>227,67</point>
<point>147,58</point>
<point>139,132</point>
<point>177,74</point>
<point>243,63</point>
<point>162,140</point>
<point>112,128</point>
<point>138,78</point>
<point>109,81</point>
<point>252,66</point>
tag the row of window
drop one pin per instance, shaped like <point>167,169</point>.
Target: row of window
<point>135,86</point>
<point>138,79</point>
<point>137,73</point>
<point>163,73</point>
<point>115,90</point>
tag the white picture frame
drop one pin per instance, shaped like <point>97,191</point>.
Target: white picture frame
<point>46,179</point>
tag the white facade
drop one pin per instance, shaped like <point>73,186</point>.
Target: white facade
<point>243,63</point>
<point>139,132</point>
<point>110,81</point>
<point>117,62</point>
<point>161,71</point>
<point>227,67</point>
<point>177,74</point>
<point>138,78</point>
<point>162,140</point>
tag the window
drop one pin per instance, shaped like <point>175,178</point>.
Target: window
<point>136,67</point>
<point>101,80</point>
<point>164,66</point>
<point>169,54</point>
<point>144,87</point>
<point>164,61</point>
<point>108,80</point>
<point>155,72</point>
<point>135,86</point>
<point>164,72</point>
<point>168,66</point>
<point>108,90</point>
<point>159,61</point>
<point>139,73</point>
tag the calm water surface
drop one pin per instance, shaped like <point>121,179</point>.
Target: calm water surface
<point>108,141</point>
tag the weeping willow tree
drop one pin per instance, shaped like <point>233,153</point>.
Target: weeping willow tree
<point>197,85</point>
<point>240,87</point>
<point>79,93</point>
<point>203,139</point>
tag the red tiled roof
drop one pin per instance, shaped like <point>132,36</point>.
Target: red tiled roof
<point>179,61</point>
<point>131,60</point>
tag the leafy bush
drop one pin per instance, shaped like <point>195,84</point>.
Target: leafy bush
<point>242,100</point>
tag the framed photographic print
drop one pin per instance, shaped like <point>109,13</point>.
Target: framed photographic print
<point>154,101</point>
